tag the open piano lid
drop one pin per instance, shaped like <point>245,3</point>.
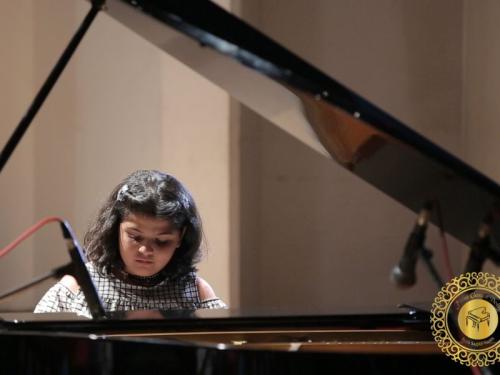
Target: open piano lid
<point>307,103</point>
<point>329,118</point>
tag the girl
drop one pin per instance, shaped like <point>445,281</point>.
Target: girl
<point>142,248</point>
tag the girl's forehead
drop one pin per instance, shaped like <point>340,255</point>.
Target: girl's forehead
<point>146,223</point>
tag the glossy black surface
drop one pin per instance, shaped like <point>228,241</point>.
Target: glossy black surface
<point>399,162</point>
<point>64,354</point>
<point>156,342</point>
<point>208,320</point>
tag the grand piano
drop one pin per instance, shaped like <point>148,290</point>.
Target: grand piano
<point>336,122</point>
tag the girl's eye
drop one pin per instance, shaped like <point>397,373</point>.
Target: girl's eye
<point>134,238</point>
<point>162,243</point>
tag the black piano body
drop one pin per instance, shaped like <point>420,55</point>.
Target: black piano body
<point>222,342</point>
<point>246,342</point>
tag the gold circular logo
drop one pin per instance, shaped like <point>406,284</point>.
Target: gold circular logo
<point>477,319</point>
<point>464,319</point>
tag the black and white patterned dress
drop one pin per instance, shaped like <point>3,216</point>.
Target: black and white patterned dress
<point>117,295</point>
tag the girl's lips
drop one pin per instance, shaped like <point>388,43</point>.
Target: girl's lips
<point>144,261</point>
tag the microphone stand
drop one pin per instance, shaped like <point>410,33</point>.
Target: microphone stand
<point>404,273</point>
<point>76,268</point>
<point>55,273</point>
<point>482,247</point>
<point>426,256</point>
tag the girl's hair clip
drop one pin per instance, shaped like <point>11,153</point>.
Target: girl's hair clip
<point>121,193</point>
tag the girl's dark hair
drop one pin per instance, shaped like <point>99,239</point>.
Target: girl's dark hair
<point>150,193</point>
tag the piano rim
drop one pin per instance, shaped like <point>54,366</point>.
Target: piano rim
<point>379,333</point>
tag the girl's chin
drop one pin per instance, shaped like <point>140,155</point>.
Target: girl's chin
<point>140,271</point>
<point>142,274</point>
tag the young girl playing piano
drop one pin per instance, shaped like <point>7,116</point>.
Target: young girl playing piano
<point>142,248</point>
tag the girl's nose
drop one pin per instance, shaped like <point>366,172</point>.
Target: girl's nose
<point>144,249</point>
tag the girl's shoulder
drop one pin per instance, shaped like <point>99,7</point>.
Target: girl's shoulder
<point>70,283</point>
<point>205,291</point>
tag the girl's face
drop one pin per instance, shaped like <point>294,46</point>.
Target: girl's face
<point>147,244</point>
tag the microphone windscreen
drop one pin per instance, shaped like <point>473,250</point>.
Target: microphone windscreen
<point>403,279</point>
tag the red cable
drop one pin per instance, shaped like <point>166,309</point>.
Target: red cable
<point>28,232</point>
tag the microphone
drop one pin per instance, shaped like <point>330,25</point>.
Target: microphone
<point>81,273</point>
<point>481,248</point>
<point>75,268</point>
<point>404,273</point>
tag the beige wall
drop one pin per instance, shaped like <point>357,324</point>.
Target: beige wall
<point>121,105</point>
<point>312,233</point>
<point>196,149</point>
<point>16,182</point>
<point>382,51</point>
<point>309,229</point>
<point>481,87</point>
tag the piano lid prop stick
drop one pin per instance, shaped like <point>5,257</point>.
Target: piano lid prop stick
<point>49,83</point>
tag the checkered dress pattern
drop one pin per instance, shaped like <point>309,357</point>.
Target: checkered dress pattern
<point>117,295</point>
